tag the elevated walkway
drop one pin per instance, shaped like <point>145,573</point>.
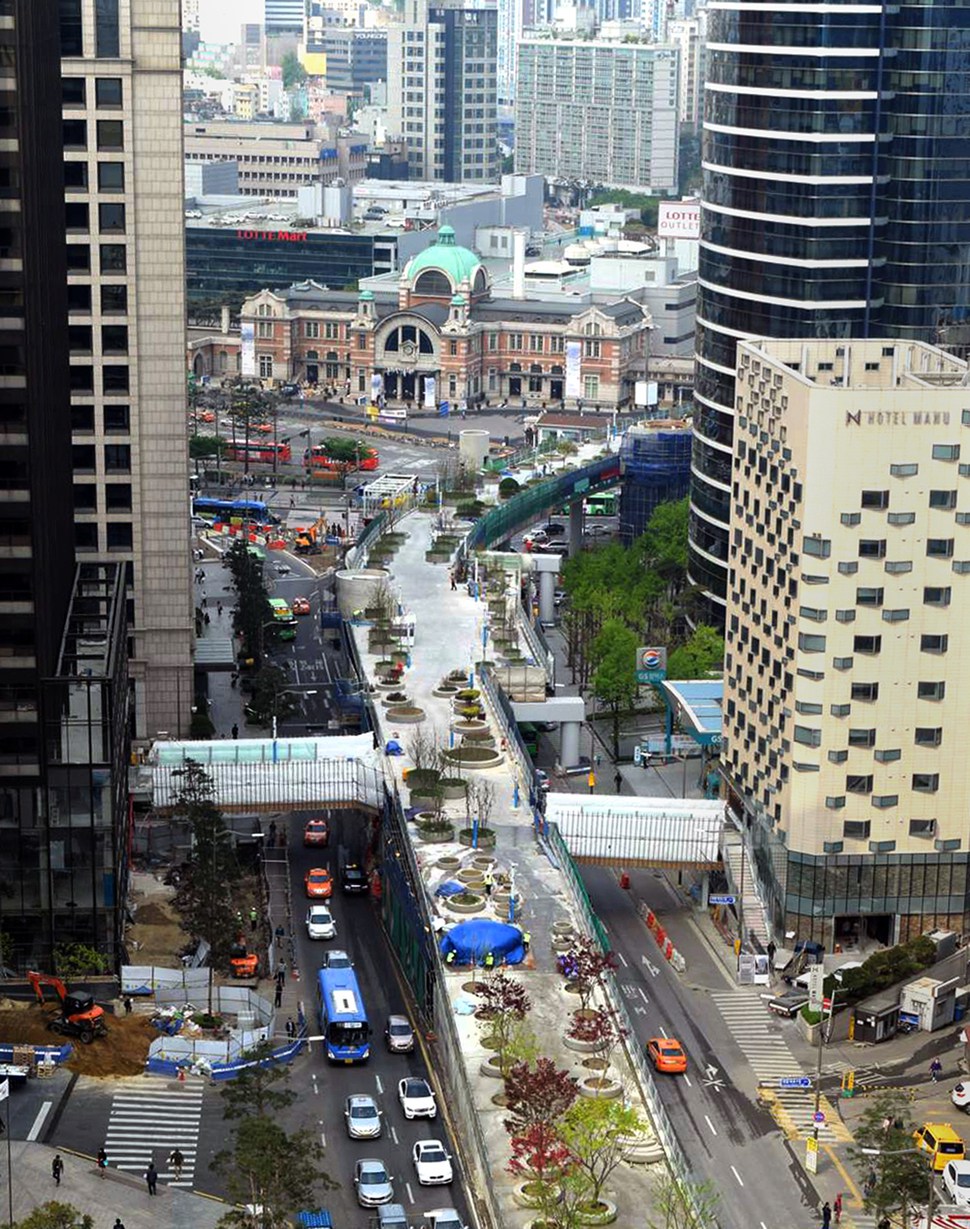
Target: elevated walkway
<point>622,832</point>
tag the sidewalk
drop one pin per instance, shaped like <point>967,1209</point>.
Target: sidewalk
<point>116,1195</point>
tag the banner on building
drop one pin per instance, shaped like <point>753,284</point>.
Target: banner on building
<point>430,392</point>
<point>247,337</point>
<point>679,220</point>
<point>574,384</point>
<point>376,386</point>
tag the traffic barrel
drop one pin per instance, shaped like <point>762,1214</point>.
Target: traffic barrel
<point>624,879</point>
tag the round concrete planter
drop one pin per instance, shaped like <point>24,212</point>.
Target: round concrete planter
<point>478,738</point>
<point>448,863</point>
<point>642,1149</point>
<point>581,1047</point>
<point>394,698</point>
<point>471,877</point>
<point>492,1067</point>
<point>417,779</point>
<point>466,727</point>
<point>563,928</point>
<point>445,692</point>
<point>599,1086</point>
<point>474,904</point>
<point>486,838</point>
<point>482,863</point>
<point>387,685</point>
<point>603,1214</point>
<point>436,836</point>
<point>422,798</point>
<point>521,1198</point>
<point>470,757</point>
<point>406,715</point>
<point>453,788</point>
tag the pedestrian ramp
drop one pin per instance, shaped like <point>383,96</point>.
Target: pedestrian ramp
<point>758,1036</point>
<point>148,1120</point>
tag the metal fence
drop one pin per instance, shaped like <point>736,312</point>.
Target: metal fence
<point>372,531</point>
<point>502,708</point>
<point>676,1157</point>
<point>538,647</point>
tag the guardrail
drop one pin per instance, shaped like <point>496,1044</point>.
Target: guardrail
<point>372,531</point>
<point>537,645</point>
<point>507,724</point>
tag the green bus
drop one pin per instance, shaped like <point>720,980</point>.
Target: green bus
<point>284,621</point>
<point>602,505</point>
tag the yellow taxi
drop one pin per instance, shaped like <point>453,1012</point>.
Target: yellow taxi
<point>942,1143</point>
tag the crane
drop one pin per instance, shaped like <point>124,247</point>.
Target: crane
<point>80,1016</point>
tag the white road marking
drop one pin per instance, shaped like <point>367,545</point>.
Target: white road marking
<point>394,1135</point>
<point>42,1113</point>
<point>663,1030</point>
<point>622,959</point>
<point>687,1080</point>
<point>710,1124</point>
<point>407,1187</point>
<point>323,1139</point>
<point>380,1086</point>
<point>737,1175</point>
<point>643,995</point>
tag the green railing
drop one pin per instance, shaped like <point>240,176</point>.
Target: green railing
<point>521,456</point>
<point>577,887</point>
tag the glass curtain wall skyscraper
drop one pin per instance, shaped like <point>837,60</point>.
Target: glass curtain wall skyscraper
<point>835,202</point>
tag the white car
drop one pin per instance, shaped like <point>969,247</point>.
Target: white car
<point>363,1117</point>
<point>417,1099</point>
<point>960,1096</point>
<point>320,923</point>
<point>431,1163</point>
<point>444,1218</point>
<point>956,1180</point>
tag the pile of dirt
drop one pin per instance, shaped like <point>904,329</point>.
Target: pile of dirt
<point>157,935</point>
<point>122,1052</point>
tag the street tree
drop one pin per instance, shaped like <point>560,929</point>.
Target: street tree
<point>272,696</point>
<point>537,1093</point>
<point>55,1215</point>
<point>505,1003</point>
<point>614,681</point>
<point>702,654</point>
<point>248,408</point>
<point>543,1162</point>
<point>256,1089</point>
<point>270,1173</point>
<point>252,613</point>
<point>202,897</point>
<point>601,1028</point>
<point>682,1204</point>
<point>201,446</point>
<point>591,966</point>
<point>900,1177</point>
<point>595,1129</point>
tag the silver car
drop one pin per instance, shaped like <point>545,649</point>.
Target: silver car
<point>363,1117</point>
<point>399,1035</point>
<point>373,1182</point>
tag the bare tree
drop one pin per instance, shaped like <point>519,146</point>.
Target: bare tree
<point>422,747</point>
<point>481,796</point>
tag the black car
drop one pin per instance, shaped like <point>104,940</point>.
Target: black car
<point>289,390</point>
<point>554,529</point>
<point>789,1003</point>
<point>353,879</point>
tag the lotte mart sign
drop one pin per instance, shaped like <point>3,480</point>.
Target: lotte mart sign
<point>651,664</point>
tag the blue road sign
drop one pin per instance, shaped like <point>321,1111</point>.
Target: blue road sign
<point>720,900</point>
<point>794,1081</point>
<point>818,1116</point>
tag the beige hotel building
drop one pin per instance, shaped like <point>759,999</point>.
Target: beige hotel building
<point>846,702</point>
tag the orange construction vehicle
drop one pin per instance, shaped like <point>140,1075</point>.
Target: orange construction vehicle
<point>80,1016</point>
<point>242,962</point>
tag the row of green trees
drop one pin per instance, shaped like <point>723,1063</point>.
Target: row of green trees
<point>621,598</point>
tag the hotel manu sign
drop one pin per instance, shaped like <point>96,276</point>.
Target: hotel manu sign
<point>901,418</point>
<point>287,236</point>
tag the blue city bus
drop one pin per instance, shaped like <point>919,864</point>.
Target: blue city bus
<point>244,509</point>
<point>343,1020</point>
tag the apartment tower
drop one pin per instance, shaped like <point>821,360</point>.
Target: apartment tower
<point>441,65</point>
<point>836,175</point>
<point>848,636</point>
<point>122,140</point>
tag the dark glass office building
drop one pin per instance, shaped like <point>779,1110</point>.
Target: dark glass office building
<point>223,267</point>
<point>835,202</point>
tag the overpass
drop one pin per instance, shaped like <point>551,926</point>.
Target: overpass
<point>623,832</point>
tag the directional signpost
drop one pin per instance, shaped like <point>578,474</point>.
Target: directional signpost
<point>795,1081</point>
<point>715,899</point>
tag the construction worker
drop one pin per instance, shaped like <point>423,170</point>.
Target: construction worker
<point>526,940</point>
<point>591,781</point>
<point>489,880</point>
<point>253,918</point>
<point>451,957</point>
<point>489,961</point>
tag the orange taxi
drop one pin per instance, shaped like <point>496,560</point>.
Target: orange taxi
<point>316,832</point>
<point>300,606</point>
<point>667,1055</point>
<point>318,883</point>
<point>264,427</point>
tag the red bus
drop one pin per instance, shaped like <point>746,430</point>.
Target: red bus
<point>258,450</point>
<point>319,459</point>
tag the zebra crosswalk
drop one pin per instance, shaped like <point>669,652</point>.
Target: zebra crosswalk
<point>149,1119</point>
<point>758,1036</point>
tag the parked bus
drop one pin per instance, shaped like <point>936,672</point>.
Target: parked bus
<point>263,451</point>
<point>343,1020</point>
<point>601,505</point>
<point>229,509</point>
<point>284,620</point>
<point>318,458</point>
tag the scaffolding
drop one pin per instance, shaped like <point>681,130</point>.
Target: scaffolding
<point>656,470</point>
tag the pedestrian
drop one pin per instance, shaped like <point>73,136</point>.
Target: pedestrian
<point>454,585</point>
<point>278,996</point>
<point>205,618</point>
<point>870,1183</point>
<point>936,1068</point>
<point>837,1207</point>
<point>119,1223</point>
<point>57,1168</point>
<point>281,976</point>
<point>618,782</point>
<point>771,949</point>
<point>526,940</point>
<point>219,609</point>
<point>489,961</point>
<point>280,933</point>
<point>151,1178</point>
<point>272,834</point>
<point>253,918</point>
<point>176,1160</point>
<point>826,1215</point>
<point>489,881</point>
<point>591,781</point>
<point>102,1161</point>
<point>204,601</point>
<point>290,1028</point>
<point>451,957</point>
<point>235,729</point>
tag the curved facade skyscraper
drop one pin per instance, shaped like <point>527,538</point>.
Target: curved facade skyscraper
<point>836,201</point>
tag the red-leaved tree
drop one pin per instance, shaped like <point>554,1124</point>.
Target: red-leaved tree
<point>505,1003</point>
<point>592,966</point>
<point>537,1095</point>
<point>601,1030</point>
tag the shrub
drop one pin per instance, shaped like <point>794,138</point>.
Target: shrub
<point>507,488</point>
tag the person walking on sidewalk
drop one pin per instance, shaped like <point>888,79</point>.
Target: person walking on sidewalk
<point>253,918</point>
<point>936,1070</point>
<point>151,1178</point>
<point>57,1168</point>
<point>489,880</point>
<point>837,1207</point>
<point>278,995</point>
<point>102,1161</point>
<point>591,781</point>
<point>826,1215</point>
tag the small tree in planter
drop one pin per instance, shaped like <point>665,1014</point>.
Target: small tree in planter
<point>537,1094</point>
<point>600,1028</point>
<point>541,1158</point>
<point>505,1003</point>
<point>595,1131</point>
<point>592,966</point>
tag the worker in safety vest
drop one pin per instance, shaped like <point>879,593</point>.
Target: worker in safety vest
<point>489,961</point>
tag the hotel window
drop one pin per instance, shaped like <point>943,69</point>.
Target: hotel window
<point>901,518</point>
<point>807,736</point>
<point>835,802</point>
<point>858,784</point>
<point>875,499</point>
<point>867,644</point>
<point>872,548</point>
<point>856,829</point>
<point>944,500</point>
<point>922,827</point>
<point>862,738</point>
<point>928,736</point>
<point>926,782</point>
<point>934,644</point>
<point>936,595</point>
<point>838,757</point>
<point>895,616</point>
<point>851,518</point>
<point>865,692</point>
<point>866,596</point>
<point>885,801</point>
<point>842,663</point>
<point>888,756</point>
<point>939,548</point>
<point>946,452</point>
<point>820,548</point>
<point>904,471</point>
<point>930,691</point>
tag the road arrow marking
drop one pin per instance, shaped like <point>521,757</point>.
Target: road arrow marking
<point>652,967</point>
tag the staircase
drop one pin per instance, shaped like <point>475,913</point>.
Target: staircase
<point>738,868</point>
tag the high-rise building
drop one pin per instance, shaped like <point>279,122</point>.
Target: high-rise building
<point>836,176</point>
<point>847,634</point>
<point>122,143</point>
<point>63,755</point>
<point>514,17</point>
<point>284,17</point>
<point>441,90</point>
<point>688,34</point>
<point>598,110</point>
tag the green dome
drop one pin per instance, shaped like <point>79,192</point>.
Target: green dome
<point>457,263</point>
<point>458,301</point>
<point>366,296</point>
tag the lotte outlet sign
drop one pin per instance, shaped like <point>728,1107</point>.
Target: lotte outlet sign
<point>679,220</point>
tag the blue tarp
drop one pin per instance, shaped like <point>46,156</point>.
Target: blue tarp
<point>470,941</point>
<point>451,887</point>
<point>393,747</point>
